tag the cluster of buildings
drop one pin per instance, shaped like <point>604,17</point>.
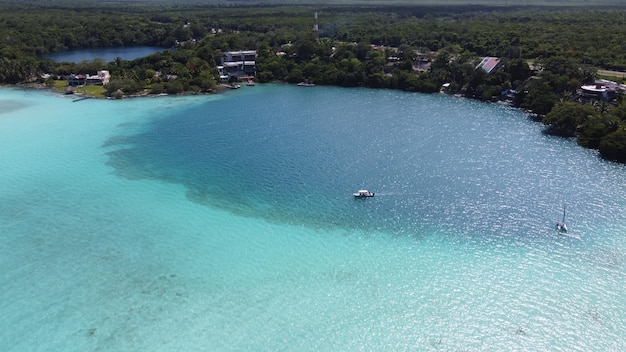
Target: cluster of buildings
<point>601,89</point>
<point>234,65</point>
<point>100,78</point>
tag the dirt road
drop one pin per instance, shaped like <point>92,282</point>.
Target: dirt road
<point>617,74</point>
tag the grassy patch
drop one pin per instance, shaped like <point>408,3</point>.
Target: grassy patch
<point>92,91</point>
<point>60,85</point>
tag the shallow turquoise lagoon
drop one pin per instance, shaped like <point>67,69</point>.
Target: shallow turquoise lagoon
<point>227,223</point>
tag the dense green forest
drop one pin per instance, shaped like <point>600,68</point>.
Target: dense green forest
<point>408,47</point>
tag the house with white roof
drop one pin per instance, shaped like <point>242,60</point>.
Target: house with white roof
<point>100,78</point>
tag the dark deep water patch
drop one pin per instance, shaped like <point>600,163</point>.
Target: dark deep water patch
<point>295,155</point>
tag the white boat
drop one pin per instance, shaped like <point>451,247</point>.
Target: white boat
<point>306,84</point>
<point>561,225</point>
<point>363,193</point>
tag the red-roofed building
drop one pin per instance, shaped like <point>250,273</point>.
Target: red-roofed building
<point>489,63</point>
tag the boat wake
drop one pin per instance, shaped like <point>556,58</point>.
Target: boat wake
<point>396,194</point>
<point>570,235</point>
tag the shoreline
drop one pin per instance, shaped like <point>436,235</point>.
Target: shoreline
<point>85,95</point>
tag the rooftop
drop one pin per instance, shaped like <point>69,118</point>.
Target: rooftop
<point>489,63</point>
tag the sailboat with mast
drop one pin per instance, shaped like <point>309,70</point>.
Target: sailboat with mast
<point>561,225</point>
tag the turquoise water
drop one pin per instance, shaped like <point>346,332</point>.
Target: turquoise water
<point>106,54</point>
<point>227,223</point>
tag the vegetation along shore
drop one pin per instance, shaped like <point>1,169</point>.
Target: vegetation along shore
<point>561,60</point>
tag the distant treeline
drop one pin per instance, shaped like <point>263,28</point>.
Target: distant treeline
<point>417,48</point>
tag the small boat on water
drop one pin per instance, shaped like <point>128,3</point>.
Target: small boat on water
<point>250,82</point>
<point>363,193</point>
<point>235,86</point>
<point>561,225</point>
<point>306,84</point>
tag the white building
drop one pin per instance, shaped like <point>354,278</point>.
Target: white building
<point>238,63</point>
<point>100,78</point>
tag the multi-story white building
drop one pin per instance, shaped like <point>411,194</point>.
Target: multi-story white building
<point>237,64</point>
